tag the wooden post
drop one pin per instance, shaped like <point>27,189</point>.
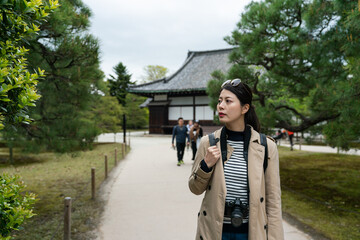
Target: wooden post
<point>300,141</point>
<point>106,167</point>
<point>115,156</point>
<point>67,218</point>
<point>92,183</point>
<point>124,128</point>
<point>123,150</point>
<point>129,139</point>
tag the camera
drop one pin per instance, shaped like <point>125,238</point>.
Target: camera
<point>236,211</point>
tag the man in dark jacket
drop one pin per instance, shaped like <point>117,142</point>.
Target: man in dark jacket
<point>180,131</point>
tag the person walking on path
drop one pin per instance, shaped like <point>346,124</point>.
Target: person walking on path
<point>291,135</point>
<point>180,131</point>
<point>240,175</point>
<point>189,126</point>
<point>196,133</point>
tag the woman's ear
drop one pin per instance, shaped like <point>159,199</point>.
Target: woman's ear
<point>245,108</point>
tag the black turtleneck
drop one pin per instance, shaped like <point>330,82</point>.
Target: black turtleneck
<point>235,135</point>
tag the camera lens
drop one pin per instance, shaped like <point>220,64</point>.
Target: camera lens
<point>237,217</point>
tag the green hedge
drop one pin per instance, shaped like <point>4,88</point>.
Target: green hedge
<point>15,207</point>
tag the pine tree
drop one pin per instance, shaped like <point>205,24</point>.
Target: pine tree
<point>306,53</point>
<point>118,85</point>
<point>70,57</point>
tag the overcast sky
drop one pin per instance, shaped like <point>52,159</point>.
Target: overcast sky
<point>160,32</point>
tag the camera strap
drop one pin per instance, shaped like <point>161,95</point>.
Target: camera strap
<point>222,140</point>
<point>264,143</point>
<point>223,145</point>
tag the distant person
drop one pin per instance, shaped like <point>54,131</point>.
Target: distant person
<point>189,126</point>
<point>279,136</point>
<point>196,134</point>
<point>291,135</point>
<point>242,197</point>
<point>180,131</point>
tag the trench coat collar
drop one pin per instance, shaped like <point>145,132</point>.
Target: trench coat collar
<point>255,136</point>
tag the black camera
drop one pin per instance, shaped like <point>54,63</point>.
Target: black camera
<point>237,211</point>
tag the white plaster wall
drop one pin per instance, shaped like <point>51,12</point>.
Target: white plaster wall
<point>204,113</point>
<point>184,112</point>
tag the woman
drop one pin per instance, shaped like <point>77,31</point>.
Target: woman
<point>235,181</point>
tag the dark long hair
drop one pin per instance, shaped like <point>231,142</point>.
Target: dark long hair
<point>244,94</point>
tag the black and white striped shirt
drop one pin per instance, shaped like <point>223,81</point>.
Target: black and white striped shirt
<point>235,170</point>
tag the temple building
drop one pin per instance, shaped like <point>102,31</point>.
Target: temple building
<point>183,94</point>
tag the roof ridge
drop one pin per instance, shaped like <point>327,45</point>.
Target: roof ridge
<point>187,60</point>
<point>167,79</point>
<point>211,51</point>
<point>148,83</point>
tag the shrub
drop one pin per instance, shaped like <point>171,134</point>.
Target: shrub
<point>15,207</point>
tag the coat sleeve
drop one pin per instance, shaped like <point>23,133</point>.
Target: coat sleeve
<point>199,179</point>
<point>273,194</point>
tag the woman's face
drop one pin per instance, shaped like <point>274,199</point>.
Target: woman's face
<point>229,108</point>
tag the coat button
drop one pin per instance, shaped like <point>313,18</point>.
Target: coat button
<point>261,199</point>
<point>204,212</point>
<point>198,214</point>
<point>201,238</point>
<point>209,187</point>
<point>265,227</point>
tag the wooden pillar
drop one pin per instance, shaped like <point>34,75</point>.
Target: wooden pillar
<point>194,109</point>
<point>124,128</point>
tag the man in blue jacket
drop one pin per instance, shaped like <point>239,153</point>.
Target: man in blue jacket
<point>180,131</point>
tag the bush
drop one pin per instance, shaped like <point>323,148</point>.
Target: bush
<point>14,206</point>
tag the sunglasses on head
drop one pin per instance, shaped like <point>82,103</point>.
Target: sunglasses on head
<point>235,82</point>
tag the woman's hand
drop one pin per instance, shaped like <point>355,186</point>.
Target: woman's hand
<point>212,156</point>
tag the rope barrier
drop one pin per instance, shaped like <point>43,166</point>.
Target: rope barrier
<point>81,192</point>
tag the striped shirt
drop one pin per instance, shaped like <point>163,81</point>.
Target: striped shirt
<point>235,170</point>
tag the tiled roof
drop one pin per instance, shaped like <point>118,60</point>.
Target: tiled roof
<point>192,76</point>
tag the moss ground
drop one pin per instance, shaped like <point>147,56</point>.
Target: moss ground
<point>322,191</point>
<point>52,177</point>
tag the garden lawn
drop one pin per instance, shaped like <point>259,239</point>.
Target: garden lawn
<point>52,177</point>
<point>323,191</point>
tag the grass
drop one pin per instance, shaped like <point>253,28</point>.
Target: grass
<point>52,177</point>
<point>322,191</point>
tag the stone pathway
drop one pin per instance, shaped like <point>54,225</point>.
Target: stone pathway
<point>147,196</point>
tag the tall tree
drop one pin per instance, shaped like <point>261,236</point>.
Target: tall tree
<point>107,113</point>
<point>136,117</point>
<point>118,85</point>
<point>70,57</point>
<point>302,49</point>
<point>154,72</point>
<point>18,20</point>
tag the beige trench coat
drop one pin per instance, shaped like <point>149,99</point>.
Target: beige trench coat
<point>265,218</point>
